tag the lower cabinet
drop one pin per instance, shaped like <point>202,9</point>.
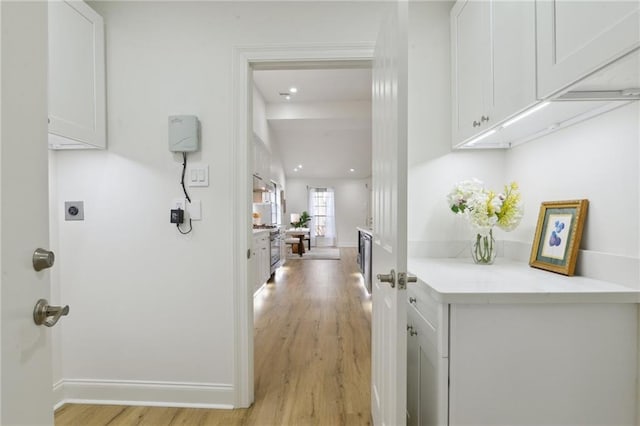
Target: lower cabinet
<point>520,363</point>
<point>427,362</point>
<point>262,258</point>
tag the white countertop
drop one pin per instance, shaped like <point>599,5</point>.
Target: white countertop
<point>365,230</point>
<point>506,281</point>
<point>260,230</point>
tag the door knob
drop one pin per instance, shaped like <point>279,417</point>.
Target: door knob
<point>388,278</point>
<point>43,314</point>
<point>42,259</point>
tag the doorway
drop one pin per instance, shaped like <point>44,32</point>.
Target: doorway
<point>245,62</point>
<point>315,127</point>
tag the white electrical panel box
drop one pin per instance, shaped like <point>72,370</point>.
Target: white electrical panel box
<point>184,133</point>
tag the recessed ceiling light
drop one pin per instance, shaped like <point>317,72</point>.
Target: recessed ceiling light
<point>287,97</point>
<point>295,170</point>
<point>293,90</point>
<point>299,166</point>
<point>352,170</point>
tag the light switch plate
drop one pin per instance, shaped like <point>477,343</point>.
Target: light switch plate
<point>74,210</point>
<point>198,175</point>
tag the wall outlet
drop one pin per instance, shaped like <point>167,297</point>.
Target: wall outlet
<point>178,210</point>
<point>195,210</point>
<point>179,203</point>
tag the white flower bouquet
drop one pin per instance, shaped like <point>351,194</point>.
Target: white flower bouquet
<point>485,209</point>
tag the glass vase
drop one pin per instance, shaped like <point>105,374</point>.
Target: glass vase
<point>483,251</point>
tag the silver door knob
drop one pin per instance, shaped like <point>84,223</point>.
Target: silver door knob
<point>43,314</point>
<point>388,278</point>
<point>43,259</point>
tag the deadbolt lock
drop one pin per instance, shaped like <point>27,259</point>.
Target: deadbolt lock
<point>43,259</point>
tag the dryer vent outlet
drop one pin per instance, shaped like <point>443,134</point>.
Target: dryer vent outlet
<point>74,210</point>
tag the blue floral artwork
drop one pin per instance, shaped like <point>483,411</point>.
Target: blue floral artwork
<point>555,239</point>
<point>556,236</point>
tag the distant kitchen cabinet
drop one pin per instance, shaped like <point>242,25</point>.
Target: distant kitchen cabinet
<point>262,258</point>
<point>520,363</point>
<point>493,64</point>
<point>576,38</point>
<point>77,106</point>
<point>261,160</point>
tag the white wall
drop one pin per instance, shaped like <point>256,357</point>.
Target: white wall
<point>260,126</point>
<point>152,309</point>
<point>351,203</point>
<point>597,159</point>
<point>433,168</point>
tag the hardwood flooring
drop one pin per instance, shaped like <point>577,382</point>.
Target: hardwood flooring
<point>312,356</point>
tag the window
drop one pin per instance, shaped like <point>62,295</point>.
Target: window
<point>322,211</point>
<point>319,209</point>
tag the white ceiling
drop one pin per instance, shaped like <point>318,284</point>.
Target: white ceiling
<point>325,126</point>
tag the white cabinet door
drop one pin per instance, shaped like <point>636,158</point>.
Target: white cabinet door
<point>493,64</point>
<point>265,266</point>
<point>262,258</point>
<point>254,259</point>
<point>575,38</point>
<point>512,82</point>
<point>470,66</point>
<point>76,76</point>
<point>427,359</point>
<point>413,374</point>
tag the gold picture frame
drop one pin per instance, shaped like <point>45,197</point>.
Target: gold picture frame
<point>558,234</point>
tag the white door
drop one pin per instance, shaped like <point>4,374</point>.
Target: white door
<point>389,322</point>
<point>26,376</point>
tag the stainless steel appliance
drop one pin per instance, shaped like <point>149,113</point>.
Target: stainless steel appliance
<point>276,241</point>
<point>364,258</point>
<point>367,262</point>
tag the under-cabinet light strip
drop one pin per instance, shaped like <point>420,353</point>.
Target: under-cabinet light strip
<point>479,138</point>
<point>525,114</point>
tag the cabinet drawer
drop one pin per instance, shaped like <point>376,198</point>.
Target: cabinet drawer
<point>427,306</point>
<point>434,317</point>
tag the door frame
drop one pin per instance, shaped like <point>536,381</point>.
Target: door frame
<point>245,59</point>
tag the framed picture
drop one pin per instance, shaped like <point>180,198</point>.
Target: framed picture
<point>558,234</point>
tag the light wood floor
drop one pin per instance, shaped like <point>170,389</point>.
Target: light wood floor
<point>312,356</point>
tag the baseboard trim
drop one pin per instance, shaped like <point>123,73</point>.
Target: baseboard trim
<point>140,393</point>
<point>58,395</point>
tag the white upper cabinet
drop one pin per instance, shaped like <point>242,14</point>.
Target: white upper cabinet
<point>76,76</point>
<point>493,63</point>
<point>576,38</point>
